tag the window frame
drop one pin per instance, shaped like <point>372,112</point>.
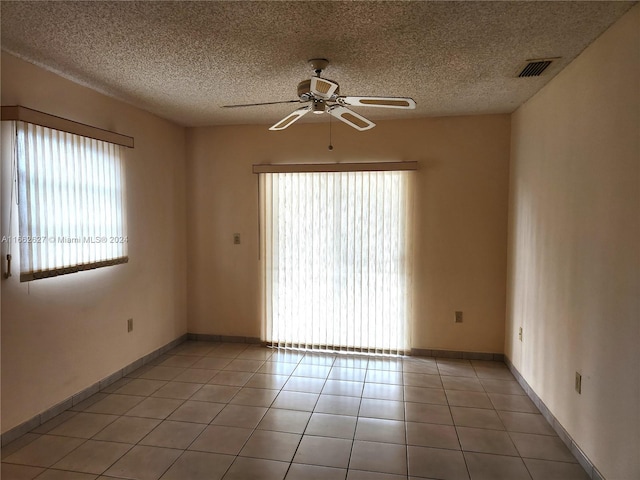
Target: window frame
<point>93,246</point>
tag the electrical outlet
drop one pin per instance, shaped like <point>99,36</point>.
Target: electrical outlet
<point>236,239</point>
<point>458,317</point>
<point>130,325</point>
<point>578,383</point>
<point>520,334</point>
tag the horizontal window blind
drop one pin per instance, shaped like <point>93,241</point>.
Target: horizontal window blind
<point>71,192</point>
<point>337,260</point>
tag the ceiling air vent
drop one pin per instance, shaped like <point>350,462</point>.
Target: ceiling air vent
<point>534,68</point>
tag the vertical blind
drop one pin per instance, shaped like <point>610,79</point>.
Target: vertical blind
<point>71,202</point>
<point>337,260</point>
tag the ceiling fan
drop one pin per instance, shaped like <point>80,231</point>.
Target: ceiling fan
<point>323,95</point>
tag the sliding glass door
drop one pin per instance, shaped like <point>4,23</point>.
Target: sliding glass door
<point>337,260</point>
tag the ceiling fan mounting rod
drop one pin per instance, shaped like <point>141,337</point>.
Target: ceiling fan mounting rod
<point>318,65</point>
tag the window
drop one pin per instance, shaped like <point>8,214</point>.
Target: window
<point>71,202</point>
<point>337,258</point>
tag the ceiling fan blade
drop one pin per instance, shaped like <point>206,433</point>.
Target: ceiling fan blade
<point>289,119</point>
<point>351,118</point>
<point>385,102</point>
<point>323,88</point>
<point>258,104</point>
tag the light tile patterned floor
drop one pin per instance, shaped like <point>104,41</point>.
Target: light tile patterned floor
<point>234,411</point>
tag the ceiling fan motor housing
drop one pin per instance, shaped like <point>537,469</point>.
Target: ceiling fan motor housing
<point>304,91</point>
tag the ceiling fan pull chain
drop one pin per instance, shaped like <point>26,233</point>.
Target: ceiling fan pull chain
<point>330,145</point>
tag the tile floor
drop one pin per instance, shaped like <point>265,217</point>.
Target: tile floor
<point>241,412</point>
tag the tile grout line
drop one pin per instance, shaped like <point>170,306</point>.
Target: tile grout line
<point>581,457</point>
<point>71,401</point>
<point>280,389</point>
<point>309,420</point>
<point>210,424</point>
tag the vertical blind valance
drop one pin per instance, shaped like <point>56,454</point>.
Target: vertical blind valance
<point>35,117</point>
<point>71,197</point>
<point>335,167</point>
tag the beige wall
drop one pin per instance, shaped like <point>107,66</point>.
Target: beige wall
<point>461,202</point>
<point>574,241</point>
<point>61,335</point>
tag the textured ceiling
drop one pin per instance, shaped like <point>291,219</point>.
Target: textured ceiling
<point>184,60</point>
